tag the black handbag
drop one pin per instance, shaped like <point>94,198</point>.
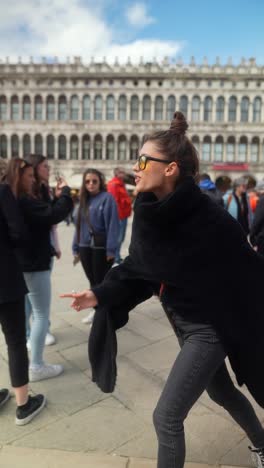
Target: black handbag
<point>98,239</point>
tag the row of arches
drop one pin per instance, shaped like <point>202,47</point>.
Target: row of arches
<point>75,147</point>
<point>109,108</point>
<point>85,147</point>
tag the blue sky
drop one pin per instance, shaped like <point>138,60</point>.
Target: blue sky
<point>148,28</point>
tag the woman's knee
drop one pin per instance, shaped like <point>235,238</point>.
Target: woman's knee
<point>167,422</point>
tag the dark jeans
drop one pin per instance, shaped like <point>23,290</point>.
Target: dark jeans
<point>12,319</point>
<point>199,366</point>
<point>95,264</point>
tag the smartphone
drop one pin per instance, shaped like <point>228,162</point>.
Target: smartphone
<point>57,176</point>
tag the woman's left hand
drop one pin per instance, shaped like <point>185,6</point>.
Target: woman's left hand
<point>82,300</point>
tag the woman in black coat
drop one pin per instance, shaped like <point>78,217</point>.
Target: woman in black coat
<point>181,246</point>
<point>12,314</point>
<point>35,258</point>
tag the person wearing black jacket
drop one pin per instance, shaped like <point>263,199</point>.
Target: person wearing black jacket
<point>12,313</point>
<point>35,258</point>
<point>179,237</point>
<point>257,228</point>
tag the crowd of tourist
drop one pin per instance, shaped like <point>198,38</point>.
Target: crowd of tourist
<point>182,226</point>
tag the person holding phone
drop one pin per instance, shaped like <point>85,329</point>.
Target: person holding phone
<point>42,191</point>
<point>35,258</point>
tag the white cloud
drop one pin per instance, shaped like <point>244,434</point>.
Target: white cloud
<point>68,28</point>
<point>137,15</point>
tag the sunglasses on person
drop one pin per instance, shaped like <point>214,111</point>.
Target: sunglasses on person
<point>91,181</point>
<point>144,158</point>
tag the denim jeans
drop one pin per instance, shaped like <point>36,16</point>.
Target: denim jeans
<point>28,307</point>
<point>121,238</point>
<point>39,298</point>
<point>199,366</point>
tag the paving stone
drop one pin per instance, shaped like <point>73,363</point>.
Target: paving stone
<point>97,428</point>
<point>147,327</point>
<point>157,356</point>
<point>13,457</point>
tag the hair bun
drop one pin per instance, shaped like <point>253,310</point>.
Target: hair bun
<point>178,124</point>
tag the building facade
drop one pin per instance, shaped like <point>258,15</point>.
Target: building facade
<point>97,114</point>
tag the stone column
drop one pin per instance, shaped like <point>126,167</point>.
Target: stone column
<point>56,155</point>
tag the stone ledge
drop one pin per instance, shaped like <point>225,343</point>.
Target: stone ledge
<point>23,457</point>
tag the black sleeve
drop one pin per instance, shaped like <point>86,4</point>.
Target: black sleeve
<point>12,216</point>
<point>118,288</point>
<point>258,222</point>
<point>45,213</point>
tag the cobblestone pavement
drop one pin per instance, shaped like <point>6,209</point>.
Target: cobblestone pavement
<point>86,427</point>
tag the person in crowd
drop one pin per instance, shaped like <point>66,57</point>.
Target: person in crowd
<point>207,186</point>
<point>237,204</point>
<point>97,228</point>
<point>178,234</point>
<point>12,305</point>
<point>42,191</point>
<point>36,255</point>
<point>3,165</point>
<point>117,188</point>
<point>257,229</point>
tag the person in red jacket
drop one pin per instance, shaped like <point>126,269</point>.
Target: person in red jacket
<point>116,187</point>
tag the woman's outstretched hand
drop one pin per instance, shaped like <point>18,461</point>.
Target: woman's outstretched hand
<point>82,300</point>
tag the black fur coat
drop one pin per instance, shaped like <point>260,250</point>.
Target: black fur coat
<point>188,243</point>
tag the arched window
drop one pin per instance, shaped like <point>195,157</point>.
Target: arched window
<point>134,108</point>
<point>86,112</point>
<point>257,109</point>
<point>232,109</point>
<point>38,108</point>
<point>62,108</point>
<point>3,108</point>
<point>122,107</point>
<point>14,146</point>
<point>244,109</point>
<point>242,149</point>
<point>62,147</point>
<point>14,108</point>
<point>26,113</point>
<point>38,144</point>
<point>98,108</point>
<point>50,108</point>
<point>254,150</point>
<point>146,108</point>
<point>50,147</point>
<point>218,149</point>
<point>171,106</point>
<point>110,107</point>
<point>184,105</point>
<point>196,102</point>
<point>3,146</point>
<point>110,147</point>
<point>134,147</point>
<point>26,145</point>
<point>206,149</point>
<point>121,149</point>
<point>98,147</point>
<point>208,106</point>
<point>74,147</point>
<point>196,143</point>
<point>230,149</point>
<point>86,147</point>
<point>158,110</point>
<point>220,109</point>
<point>74,109</point>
